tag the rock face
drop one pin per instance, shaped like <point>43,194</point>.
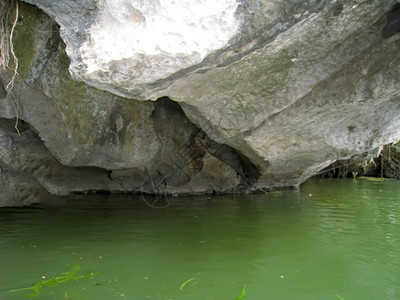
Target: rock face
<point>192,97</point>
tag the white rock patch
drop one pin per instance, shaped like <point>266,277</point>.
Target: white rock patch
<point>136,42</point>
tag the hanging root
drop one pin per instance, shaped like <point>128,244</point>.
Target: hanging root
<point>4,49</point>
<point>15,59</point>
<point>7,48</point>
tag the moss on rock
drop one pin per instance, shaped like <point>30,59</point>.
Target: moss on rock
<point>102,128</point>
<point>27,29</point>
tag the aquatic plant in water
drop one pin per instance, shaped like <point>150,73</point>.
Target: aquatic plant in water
<point>243,294</point>
<point>185,283</point>
<point>72,274</point>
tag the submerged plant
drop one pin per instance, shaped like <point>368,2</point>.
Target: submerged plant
<point>72,274</point>
<point>243,294</point>
<point>186,282</point>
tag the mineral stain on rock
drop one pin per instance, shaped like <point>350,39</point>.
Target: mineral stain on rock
<point>137,17</point>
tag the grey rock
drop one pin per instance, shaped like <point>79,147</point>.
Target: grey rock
<point>298,86</point>
<point>258,22</point>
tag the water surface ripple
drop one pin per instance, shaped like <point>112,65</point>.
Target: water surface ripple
<point>331,239</point>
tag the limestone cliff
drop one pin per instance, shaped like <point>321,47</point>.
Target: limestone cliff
<point>188,97</point>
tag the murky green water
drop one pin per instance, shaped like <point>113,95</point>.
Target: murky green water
<point>336,239</point>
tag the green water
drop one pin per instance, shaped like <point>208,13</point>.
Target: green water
<point>337,239</point>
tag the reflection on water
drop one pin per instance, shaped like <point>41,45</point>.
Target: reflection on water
<point>336,239</point>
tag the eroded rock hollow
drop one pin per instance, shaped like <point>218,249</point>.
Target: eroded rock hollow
<point>190,97</point>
